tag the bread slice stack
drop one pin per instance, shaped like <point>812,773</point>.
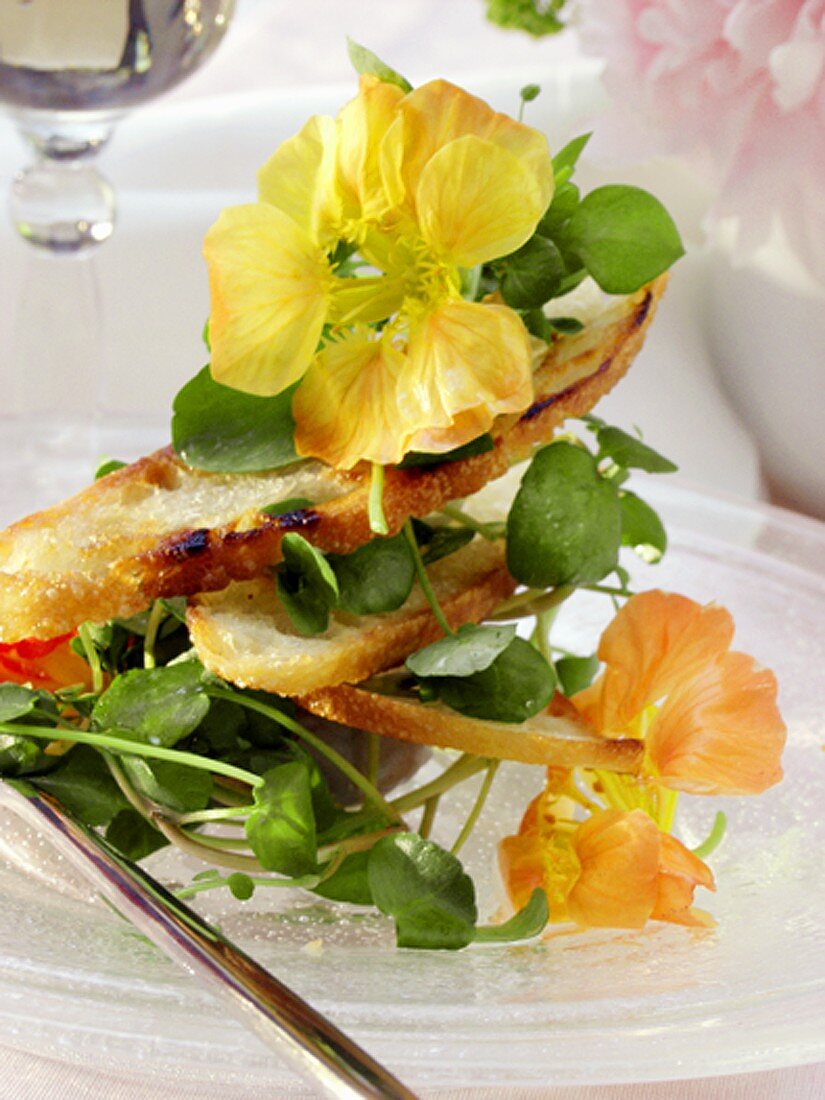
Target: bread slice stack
<point>158,528</point>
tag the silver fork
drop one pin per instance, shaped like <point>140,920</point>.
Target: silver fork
<point>301,1036</point>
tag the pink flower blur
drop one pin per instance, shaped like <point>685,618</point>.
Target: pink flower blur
<point>736,84</point>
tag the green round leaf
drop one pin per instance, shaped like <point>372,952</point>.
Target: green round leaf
<point>642,529</point>
<point>157,705</point>
<point>518,684</point>
<point>306,584</point>
<point>376,577</point>
<point>532,275</point>
<point>217,428</point>
<point>576,673</point>
<point>624,236</point>
<point>564,525</point>
<point>281,829</point>
<point>630,452</point>
<point>425,890</point>
<point>471,649</point>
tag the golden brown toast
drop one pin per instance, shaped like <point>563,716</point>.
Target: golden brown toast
<point>243,634</point>
<point>157,528</point>
<point>557,736</point>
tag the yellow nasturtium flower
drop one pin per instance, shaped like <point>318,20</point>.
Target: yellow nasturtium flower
<point>424,186</point>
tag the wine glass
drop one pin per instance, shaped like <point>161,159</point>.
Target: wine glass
<point>69,69</point>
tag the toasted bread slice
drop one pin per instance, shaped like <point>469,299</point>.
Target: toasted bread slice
<point>158,528</point>
<point>244,635</point>
<point>557,736</point>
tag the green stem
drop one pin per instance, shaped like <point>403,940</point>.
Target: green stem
<point>224,815</point>
<point>92,656</point>
<point>531,602</point>
<point>373,757</point>
<point>370,792</point>
<point>490,531</point>
<point>478,806</point>
<point>306,881</point>
<point>121,747</point>
<point>466,766</point>
<point>424,580</point>
<point>156,616</point>
<point>428,817</point>
<point>714,837</point>
<point>378,521</point>
<point>219,843</point>
<point>187,843</point>
<point>541,633</point>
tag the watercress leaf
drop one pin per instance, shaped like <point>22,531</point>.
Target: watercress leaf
<point>306,585</point>
<point>350,882</point>
<point>282,507</point>
<point>537,324</point>
<point>281,829</point>
<point>534,17</point>
<point>158,705</point>
<point>641,528</point>
<point>567,326</point>
<point>365,61</point>
<point>471,649</point>
<point>22,755</point>
<point>524,925</point>
<point>529,92</point>
<point>478,446</point>
<point>16,701</point>
<point>532,274</point>
<point>624,236</point>
<point>439,542</point>
<point>85,786</point>
<point>518,684</point>
<point>241,885</point>
<point>576,673</point>
<point>425,890</point>
<point>108,466</point>
<point>564,525</point>
<point>630,452</point>
<point>377,577</point>
<point>217,428</point>
<point>177,786</point>
<point>133,836</point>
<point>568,156</point>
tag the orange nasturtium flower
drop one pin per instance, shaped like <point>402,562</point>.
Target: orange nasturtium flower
<point>614,870</point>
<point>707,714</point>
<point>425,187</point>
<point>48,664</point>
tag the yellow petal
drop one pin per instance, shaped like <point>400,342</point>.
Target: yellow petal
<point>619,856</point>
<point>468,362</point>
<point>347,407</point>
<point>268,284</point>
<point>438,113</point>
<point>475,201</point>
<point>363,123</point>
<point>721,732</point>
<point>299,178</point>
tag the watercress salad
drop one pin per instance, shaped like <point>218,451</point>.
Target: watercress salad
<point>155,750</point>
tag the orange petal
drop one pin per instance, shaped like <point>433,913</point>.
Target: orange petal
<point>437,113</point>
<point>619,856</point>
<point>468,362</point>
<point>348,406</point>
<point>269,286</point>
<point>722,732</point>
<point>48,664</point>
<point>363,122</point>
<point>656,642</point>
<point>680,872</point>
<point>521,862</point>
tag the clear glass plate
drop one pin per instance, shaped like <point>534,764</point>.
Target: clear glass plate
<point>77,984</point>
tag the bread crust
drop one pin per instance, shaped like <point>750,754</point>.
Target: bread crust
<point>551,738</point>
<point>159,529</point>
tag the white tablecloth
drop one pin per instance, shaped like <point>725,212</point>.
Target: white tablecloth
<point>283,45</point>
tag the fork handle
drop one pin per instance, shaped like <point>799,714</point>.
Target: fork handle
<point>301,1036</point>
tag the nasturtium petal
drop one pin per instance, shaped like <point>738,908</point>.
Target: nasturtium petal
<point>363,123</point>
<point>619,857</point>
<point>348,406</point>
<point>468,362</point>
<point>476,200</point>
<point>269,284</point>
<point>438,113</point>
<point>299,179</point>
